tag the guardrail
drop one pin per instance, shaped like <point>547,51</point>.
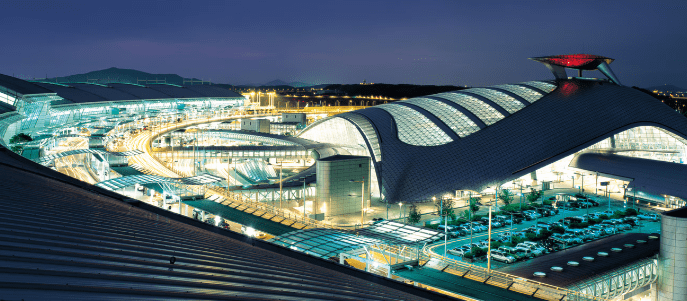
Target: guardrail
<point>507,281</point>
<point>298,217</point>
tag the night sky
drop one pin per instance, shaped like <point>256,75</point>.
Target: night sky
<point>418,42</point>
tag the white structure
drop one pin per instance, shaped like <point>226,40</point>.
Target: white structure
<point>340,183</point>
<point>256,125</point>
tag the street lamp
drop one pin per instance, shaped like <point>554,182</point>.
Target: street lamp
<point>362,200</point>
<point>400,204</point>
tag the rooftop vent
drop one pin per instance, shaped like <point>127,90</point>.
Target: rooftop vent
<point>616,250</point>
<point>573,263</point>
<point>639,241</point>
<point>602,254</point>
<point>557,269</point>
<point>588,258</point>
<point>629,246</point>
<point>652,237</point>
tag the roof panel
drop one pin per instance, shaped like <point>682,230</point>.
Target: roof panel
<point>21,86</point>
<point>528,94</point>
<point>507,102</point>
<point>139,91</point>
<point>105,92</point>
<point>414,128</point>
<point>176,91</point>
<point>453,118</point>
<point>544,86</point>
<point>71,93</point>
<point>483,111</point>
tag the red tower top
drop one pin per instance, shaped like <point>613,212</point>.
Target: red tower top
<point>575,61</point>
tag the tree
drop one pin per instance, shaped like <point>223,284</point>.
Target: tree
<point>414,215</point>
<point>20,138</point>
<point>506,196</point>
<point>534,195</point>
<point>447,209</point>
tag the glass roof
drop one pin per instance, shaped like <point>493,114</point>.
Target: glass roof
<point>453,118</point>
<point>87,151</point>
<point>528,94</point>
<point>121,182</point>
<point>483,111</point>
<point>544,86</point>
<point>326,243</point>
<point>414,128</point>
<point>505,101</point>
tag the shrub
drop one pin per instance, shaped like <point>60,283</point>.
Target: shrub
<point>630,212</point>
<point>547,202</point>
<point>558,229</point>
<point>579,225</point>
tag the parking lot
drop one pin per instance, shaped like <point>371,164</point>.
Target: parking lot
<point>645,226</point>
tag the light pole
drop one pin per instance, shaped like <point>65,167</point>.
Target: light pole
<point>362,200</point>
<point>400,204</point>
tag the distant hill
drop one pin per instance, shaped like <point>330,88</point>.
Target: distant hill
<point>120,75</point>
<point>276,82</point>
<point>666,88</point>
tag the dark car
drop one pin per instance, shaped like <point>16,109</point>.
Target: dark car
<point>520,216</point>
<point>593,202</point>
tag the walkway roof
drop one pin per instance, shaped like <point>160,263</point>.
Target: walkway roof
<point>126,181</point>
<point>326,243</point>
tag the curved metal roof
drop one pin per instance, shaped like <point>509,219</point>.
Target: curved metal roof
<point>21,86</point>
<point>67,240</point>
<point>570,118</point>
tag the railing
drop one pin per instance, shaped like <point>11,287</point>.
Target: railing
<point>297,217</point>
<point>507,281</point>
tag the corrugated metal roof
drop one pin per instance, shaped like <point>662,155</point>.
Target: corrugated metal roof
<point>21,86</point>
<point>63,239</point>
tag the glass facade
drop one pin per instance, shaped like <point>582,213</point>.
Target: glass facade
<point>453,118</point>
<point>483,111</point>
<point>527,94</point>
<point>369,131</point>
<point>647,142</point>
<point>507,102</point>
<point>414,128</point>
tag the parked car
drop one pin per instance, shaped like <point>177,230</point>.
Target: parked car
<point>500,256</point>
<point>580,233</point>
<point>459,251</point>
<point>512,252</point>
<point>648,216</point>
<point>528,250</point>
<point>593,233</point>
<point>479,226</point>
<point>604,230</point>
<point>593,202</point>
<point>566,239</point>
<point>632,220</point>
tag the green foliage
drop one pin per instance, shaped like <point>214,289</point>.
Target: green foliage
<point>534,195</point>
<point>496,244</point>
<point>432,226</point>
<point>473,205</point>
<point>20,138</point>
<point>558,229</point>
<point>414,215</point>
<point>579,225</point>
<point>594,221</point>
<point>506,196</point>
<point>631,212</point>
<point>547,202</point>
<point>531,236</point>
<point>445,208</point>
<point>17,149</point>
<point>516,207</point>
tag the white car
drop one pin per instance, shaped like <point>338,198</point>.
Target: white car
<point>649,216</point>
<point>500,256</point>
<point>459,251</point>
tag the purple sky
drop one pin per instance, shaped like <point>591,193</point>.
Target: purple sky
<point>471,43</point>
